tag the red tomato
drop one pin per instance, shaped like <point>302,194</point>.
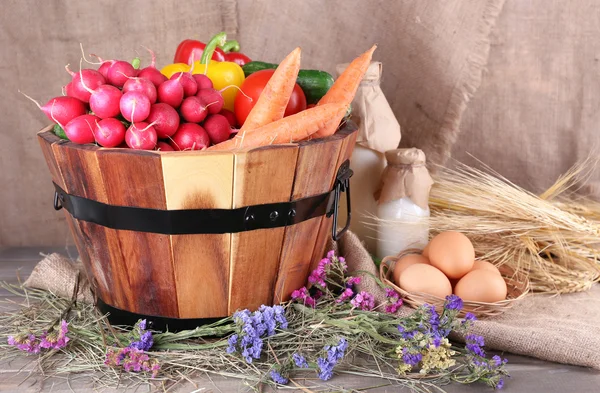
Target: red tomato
<point>253,87</point>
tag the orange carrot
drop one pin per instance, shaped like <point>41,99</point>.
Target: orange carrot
<point>290,129</point>
<point>344,89</point>
<point>274,98</point>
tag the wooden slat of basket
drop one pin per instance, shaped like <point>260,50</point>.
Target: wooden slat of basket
<point>517,285</point>
<point>316,163</point>
<point>146,256</point>
<point>97,262</point>
<point>200,181</point>
<point>264,175</point>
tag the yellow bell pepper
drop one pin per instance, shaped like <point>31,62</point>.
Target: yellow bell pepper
<point>226,76</point>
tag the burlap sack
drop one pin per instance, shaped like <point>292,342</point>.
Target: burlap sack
<point>58,275</point>
<point>563,329</point>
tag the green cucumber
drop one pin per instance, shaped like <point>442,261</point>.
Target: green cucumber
<point>314,83</point>
<point>59,132</point>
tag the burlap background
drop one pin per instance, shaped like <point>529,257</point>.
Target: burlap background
<point>433,53</point>
<point>564,329</point>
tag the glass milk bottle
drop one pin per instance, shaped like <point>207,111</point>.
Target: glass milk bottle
<point>402,203</point>
<point>378,132</point>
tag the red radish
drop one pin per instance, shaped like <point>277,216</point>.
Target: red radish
<point>190,136</point>
<point>119,72</point>
<point>142,85</point>
<point>135,106</point>
<point>212,99</point>
<point>62,109</point>
<point>152,73</point>
<point>141,136</point>
<point>92,80</point>
<point>190,87</point>
<point>203,81</point>
<point>218,129</point>
<point>109,132</point>
<point>165,119</point>
<point>171,92</point>
<point>193,110</point>
<point>104,101</point>
<point>104,64</point>
<point>164,146</point>
<point>230,116</point>
<point>81,129</point>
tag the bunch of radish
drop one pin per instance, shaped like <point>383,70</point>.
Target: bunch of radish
<point>118,105</point>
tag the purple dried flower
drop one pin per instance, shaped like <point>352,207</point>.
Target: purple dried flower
<point>232,341</point>
<point>393,307</point>
<point>474,344</point>
<point>470,317</point>
<point>498,361</point>
<point>335,353</point>
<point>406,335</point>
<point>475,339</point>
<point>500,384</point>
<point>347,294</point>
<point>252,328</point>
<point>364,300</point>
<point>302,296</point>
<point>412,359</point>
<point>437,340</point>
<point>453,302</point>
<point>391,292</point>
<point>434,318</point>
<point>353,281</point>
<point>343,264</point>
<point>331,254</point>
<point>300,360</point>
<point>325,369</point>
<point>280,379</point>
<point>25,342</point>
<point>131,359</point>
<point>145,339</point>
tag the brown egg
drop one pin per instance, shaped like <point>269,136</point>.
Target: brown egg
<point>405,262</point>
<point>483,265</point>
<point>452,253</point>
<point>481,286</point>
<point>421,277</point>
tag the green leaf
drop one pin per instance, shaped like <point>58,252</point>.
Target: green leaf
<point>59,132</point>
<point>136,63</point>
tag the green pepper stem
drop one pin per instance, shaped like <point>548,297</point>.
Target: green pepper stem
<point>231,46</point>
<point>218,40</point>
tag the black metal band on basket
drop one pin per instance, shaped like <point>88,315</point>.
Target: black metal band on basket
<point>116,316</point>
<point>210,221</point>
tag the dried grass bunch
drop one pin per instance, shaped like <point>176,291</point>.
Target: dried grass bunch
<point>552,238</point>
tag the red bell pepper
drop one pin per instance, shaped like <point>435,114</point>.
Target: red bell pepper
<point>232,53</point>
<point>189,49</point>
<point>192,49</point>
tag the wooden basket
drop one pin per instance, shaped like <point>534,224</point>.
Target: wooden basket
<point>517,284</point>
<point>197,276</point>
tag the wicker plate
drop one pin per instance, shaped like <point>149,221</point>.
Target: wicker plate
<point>517,284</point>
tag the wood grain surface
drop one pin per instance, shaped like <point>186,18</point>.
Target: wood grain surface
<point>134,178</point>
<point>315,167</point>
<point>263,175</point>
<point>201,262</point>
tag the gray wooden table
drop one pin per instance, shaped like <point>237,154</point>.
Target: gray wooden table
<point>528,374</point>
